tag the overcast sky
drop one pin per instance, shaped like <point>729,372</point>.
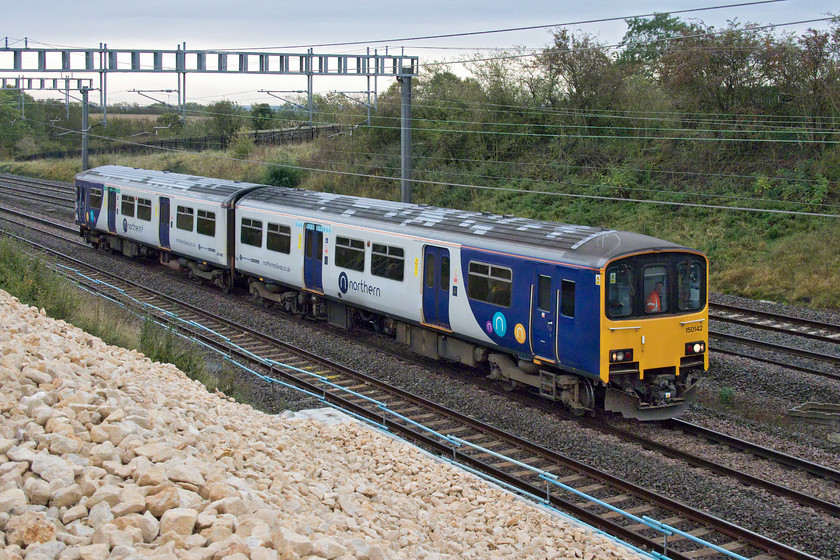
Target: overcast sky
<point>293,26</point>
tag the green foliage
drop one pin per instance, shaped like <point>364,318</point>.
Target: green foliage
<point>261,116</point>
<point>33,283</point>
<point>242,146</point>
<point>225,118</point>
<point>283,173</point>
<point>727,396</point>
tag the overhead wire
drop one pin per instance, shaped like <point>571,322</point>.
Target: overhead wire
<point>481,187</point>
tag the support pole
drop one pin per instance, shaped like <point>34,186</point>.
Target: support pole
<point>84,129</point>
<point>310,62</point>
<point>405,137</point>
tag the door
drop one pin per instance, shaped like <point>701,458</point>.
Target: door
<point>313,257</point>
<point>436,286</point>
<point>164,223</point>
<point>81,204</point>
<point>544,312</point>
<point>112,210</point>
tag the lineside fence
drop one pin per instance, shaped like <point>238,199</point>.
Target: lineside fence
<point>199,144</point>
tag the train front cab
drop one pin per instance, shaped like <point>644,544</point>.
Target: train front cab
<point>654,332</point>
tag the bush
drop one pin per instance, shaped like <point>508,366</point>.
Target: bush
<point>283,173</point>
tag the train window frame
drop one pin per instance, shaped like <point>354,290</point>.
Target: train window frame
<point>349,253</point>
<point>128,204</point>
<point>387,261</point>
<point>251,232</point>
<point>95,198</point>
<point>184,218</point>
<point>567,298</point>
<point>652,274</point>
<point>205,223</point>
<point>621,294</point>
<point>144,209</point>
<point>690,286</point>
<point>278,238</point>
<point>490,283</point>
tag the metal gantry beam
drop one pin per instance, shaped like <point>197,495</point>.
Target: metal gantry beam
<point>183,61</point>
<point>47,84</point>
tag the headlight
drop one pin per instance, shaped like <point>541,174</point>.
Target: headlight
<point>621,356</point>
<point>695,348</point>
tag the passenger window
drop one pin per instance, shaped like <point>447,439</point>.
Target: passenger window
<point>185,218</point>
<point>620,291</point>
<point>350,253</point>
<point>206,223</point>
<point>490,284</point>
<point>127,206</point>
<point>278,238</point>
<point>567,298</point>
<point>544,293</point>
<point>144,209</point>
<point>689,285</point>
<point>251,232</point>
<point>656,289</point>
<point>387,262</point>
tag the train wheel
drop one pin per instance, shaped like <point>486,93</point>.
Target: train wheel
<point>586,398</point>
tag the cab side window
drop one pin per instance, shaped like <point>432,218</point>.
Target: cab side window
<point>95,199</point>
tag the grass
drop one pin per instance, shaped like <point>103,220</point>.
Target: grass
<point>788,259</point>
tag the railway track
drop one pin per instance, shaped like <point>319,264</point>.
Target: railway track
<point>690,459</point>
<point>809,346</point>
<point>522,465</point>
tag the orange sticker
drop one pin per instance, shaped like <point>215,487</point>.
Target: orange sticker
<point>519,333</point>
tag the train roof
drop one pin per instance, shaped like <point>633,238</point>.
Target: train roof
<point>219,191</point>
<point>580,245</point>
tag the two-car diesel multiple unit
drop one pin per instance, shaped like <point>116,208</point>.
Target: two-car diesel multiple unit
<point>591,317</point>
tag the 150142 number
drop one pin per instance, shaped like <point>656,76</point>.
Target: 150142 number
<point>694,328</point>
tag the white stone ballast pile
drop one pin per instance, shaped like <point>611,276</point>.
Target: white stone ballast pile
<point>105,454</point>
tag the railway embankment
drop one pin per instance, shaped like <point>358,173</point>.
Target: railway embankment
<point>105,454</point>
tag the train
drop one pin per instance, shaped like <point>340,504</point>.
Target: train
<point>590,317</point>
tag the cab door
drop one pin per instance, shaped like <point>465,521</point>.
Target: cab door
<point>544,304</point>
<point>436,286</point>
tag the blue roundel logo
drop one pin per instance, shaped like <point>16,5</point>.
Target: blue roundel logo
<point>343,282</point>
<point>125,225</point>
<point>499,324</point>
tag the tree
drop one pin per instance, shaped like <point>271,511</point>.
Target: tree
<point>225,118</point>
<point>806,73</point>
<point>171,121</point>
<point>581,74</point>
<point>261,116</point>
<point>719,71</point>
<point>647,39</point>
